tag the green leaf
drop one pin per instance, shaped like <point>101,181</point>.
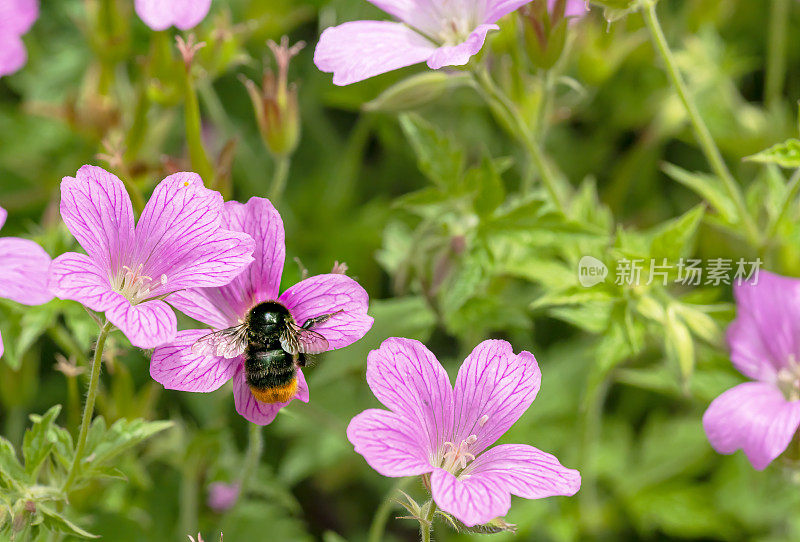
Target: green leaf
<point>10,467</point>
<point>38,441</point>
<point>707,187</point>
<point>674,239</point>
<point>440,158</point>
<point>417,90</point>
<point>786,154</point>
<point>487,186</point>
<point>56,522</point>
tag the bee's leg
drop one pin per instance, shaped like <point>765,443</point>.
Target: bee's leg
<point>301,360</point>
<point>320,319</point>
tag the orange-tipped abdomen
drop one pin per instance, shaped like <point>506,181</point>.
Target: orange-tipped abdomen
<point>277,394</point>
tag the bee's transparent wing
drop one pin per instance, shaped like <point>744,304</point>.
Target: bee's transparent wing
<point>225,343</point>
<point>298,340</point>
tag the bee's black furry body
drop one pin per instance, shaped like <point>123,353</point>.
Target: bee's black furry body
<point>268,367</point>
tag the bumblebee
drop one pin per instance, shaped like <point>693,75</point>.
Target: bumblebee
<point>274,346</point>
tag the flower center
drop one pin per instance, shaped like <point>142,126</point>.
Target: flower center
<point>789,380</point>
<point>456,458</point>
<point>135,286</point>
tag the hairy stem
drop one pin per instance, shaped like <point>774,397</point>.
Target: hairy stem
<point>776,53</point>
<point>509,115</point>
<point>88,409</point>
<point>279,178</point>
<point>194,133</point>
<point>426,525</point>
<point>255,447</point>
<point>381,517</point>
<point>704,138</point>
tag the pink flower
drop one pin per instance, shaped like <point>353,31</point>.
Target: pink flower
<point>161,14</point>
<point>572,8</point>
<point>23,271</point>
<point>439,32</point>
<point>16,18</point>
<point>761,417</point>
<point>432,428</point>
<point>128,271</point>
<point>178,367</point>
<point>222,496</point>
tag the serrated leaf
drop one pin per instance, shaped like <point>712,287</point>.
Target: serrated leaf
<point>38,443</point>
<point>786,154</point>
<point>121,436</point>
<point>487,187</point>
<point>56,522</point>
<point>707,187</point>
<point>9,464</point>
<point>440,158</point>
<point>674,239</point>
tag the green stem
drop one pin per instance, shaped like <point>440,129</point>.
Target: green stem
<point>509,115</point>
<point>425,526</point>
<point>194,133</point>
<point>255,447</point>
<point>88,409</point>
<point>704,138</point>
<point>379,520</point>
<point>281,175</point>
<point>188,503</point>
<point>776,53</point>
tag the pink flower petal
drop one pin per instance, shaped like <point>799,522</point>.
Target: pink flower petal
<point>210,306</point>
<point>259,219</point>
<point>3,216</point>
<point>328,294</point>
<point>408,379</point>
<point>146,325</point>
<point>23,271</point>
<point>526,471</point>
<point>176,367</point>
<point>17,16</point>
<point>161,14</point>
<point>766,332</point>
<point>13,54</point>
<point>222,496</point>
<point>388,443</point>
<point>359,50</point>
<point>77,277</point>
<point>754,417</point>
<point>97,210</point>
<point>179,232</point>
<point>475,500</point>
<point>497,9</point>
<point>459,55</point>
<point>255,411</point>
<point>493,389</point>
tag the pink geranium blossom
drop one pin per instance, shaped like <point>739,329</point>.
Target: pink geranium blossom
<point>23,271</point>
<point>161,14</point>
<point>128,272</point>
<point>433,429</point>
<point>16,18</point>
<point>761,417</point>
<point>572,8</point>
<point>177,366</point>
<point>222,496</point>
<point>439,32</point>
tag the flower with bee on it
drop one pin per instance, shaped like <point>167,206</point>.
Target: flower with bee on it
<point>445,433</point>
<point>23,271</point>
<point>130,271</point>
<point>319,313</point>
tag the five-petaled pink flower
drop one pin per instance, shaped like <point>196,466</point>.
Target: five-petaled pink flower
<point>572,8</point>
<point>16,18</point>
<point>23,271</point>
<point>435,429</point>
<point>161,14</point>
<point>761,417</point>
<point>128,272</point>
<point>439,32</point>
<point>179,367</point>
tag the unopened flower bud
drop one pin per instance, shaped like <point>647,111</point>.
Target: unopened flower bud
<point>545,25</point>
<point>222,496</point>
<point>416,91</point>
<point>275,103</point>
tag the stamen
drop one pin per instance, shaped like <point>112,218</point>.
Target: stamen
<point>483,419</point>
<point>456,458</point>
<point>133,285</point>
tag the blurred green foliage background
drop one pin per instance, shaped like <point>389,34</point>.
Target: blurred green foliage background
<point>448,256</point>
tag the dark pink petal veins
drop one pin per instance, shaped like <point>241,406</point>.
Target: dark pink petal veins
<point>389,443</point>
<point>408,379</point>
<point>493,389</point>
<point>146,325</point>
<point>177,367</point>
<point>78,277</point>
<point>473,500</point>
<point>331,294</point>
